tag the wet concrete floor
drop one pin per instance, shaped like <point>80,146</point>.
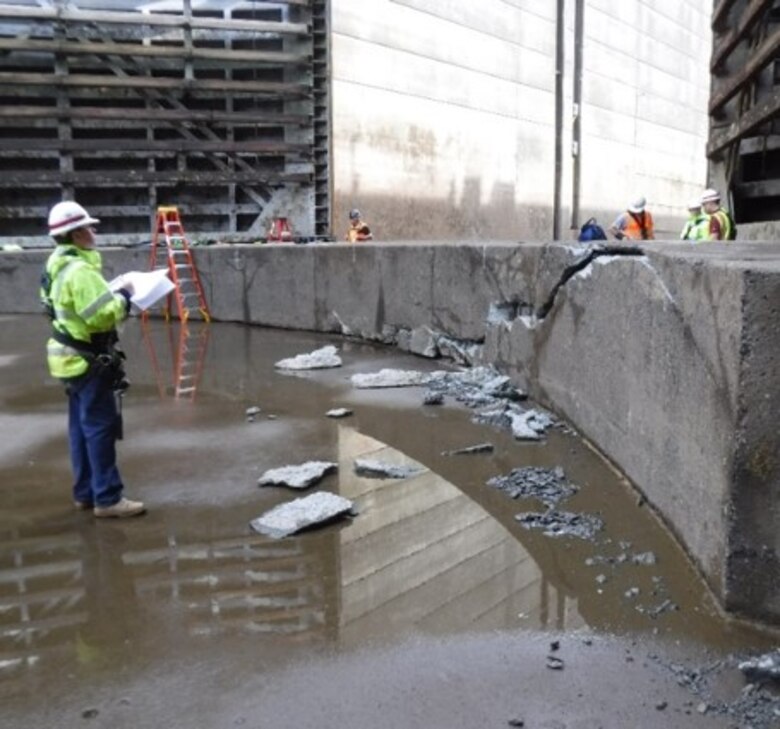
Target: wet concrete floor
<point>433,607</point>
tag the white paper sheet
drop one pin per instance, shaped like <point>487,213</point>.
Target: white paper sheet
<point>149,286</point>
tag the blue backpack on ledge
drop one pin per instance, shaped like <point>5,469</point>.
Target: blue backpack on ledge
<point>591,231</point>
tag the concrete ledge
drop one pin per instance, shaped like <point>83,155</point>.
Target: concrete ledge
<point>666,359</point>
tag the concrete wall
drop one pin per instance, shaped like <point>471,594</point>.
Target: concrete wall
<point>444,113</point>
<point>665,361</point>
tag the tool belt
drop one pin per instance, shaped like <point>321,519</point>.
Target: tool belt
<point>102,353</point>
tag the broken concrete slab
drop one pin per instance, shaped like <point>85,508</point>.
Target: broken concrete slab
<point>374,468</point>
<point>322,358</point>
<point>303,513</point>
<point>297,477</point>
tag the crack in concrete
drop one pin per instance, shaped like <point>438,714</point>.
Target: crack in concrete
<point>577,266</point>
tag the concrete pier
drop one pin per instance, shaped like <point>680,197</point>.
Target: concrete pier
<point>665,356</point>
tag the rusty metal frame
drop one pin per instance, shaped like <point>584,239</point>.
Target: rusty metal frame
<point>744,105</point>
<point>223,111</point>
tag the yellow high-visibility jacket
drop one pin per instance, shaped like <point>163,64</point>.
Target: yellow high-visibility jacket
<point>83,306</point>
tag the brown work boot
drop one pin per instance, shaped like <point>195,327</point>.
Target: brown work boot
<point>123,507</point>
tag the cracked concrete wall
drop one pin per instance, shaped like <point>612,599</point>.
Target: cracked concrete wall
<point>665,361</point>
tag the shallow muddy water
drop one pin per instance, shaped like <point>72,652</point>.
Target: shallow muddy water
<point>173,610</point>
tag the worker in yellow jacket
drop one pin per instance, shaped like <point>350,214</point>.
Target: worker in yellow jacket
<point>83,353</point>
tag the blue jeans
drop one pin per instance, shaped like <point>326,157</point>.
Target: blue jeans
<point>93,426</point>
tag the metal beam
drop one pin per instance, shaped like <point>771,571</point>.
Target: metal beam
<point>721,12</point>
<point>746,124</point>
<point>115,147</point>
<point>758,189</point>
<point>764,54</point>
<point>17,12</point>
<point>723,47</point>
<point>135,178</point>
<point>255,118</point>
<point>267,88</point>
<point>136,50</point>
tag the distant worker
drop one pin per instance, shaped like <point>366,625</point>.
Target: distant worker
<point>358,229</point>
<point>635,223</point>
<point>697,226</point>
<point>721,224</point>
<point>83,353</point>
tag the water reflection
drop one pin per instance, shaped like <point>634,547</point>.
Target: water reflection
<point>177,353</point>
<point>422,553</point>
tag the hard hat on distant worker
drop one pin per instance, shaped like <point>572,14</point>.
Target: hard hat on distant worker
<point>637,206</point>
<point>354,214</point>
<point>694,204</point>
<point>67,216</point>
<point>710,195</point>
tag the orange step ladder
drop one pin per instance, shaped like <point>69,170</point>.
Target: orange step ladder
<point>187,356</point>
<point>188,290</point>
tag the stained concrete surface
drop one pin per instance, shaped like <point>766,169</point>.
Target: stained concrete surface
<point>433,607</point>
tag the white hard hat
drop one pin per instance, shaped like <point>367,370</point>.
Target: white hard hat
<point>637,206</point>
<point>710,195</point>
<point>67,216</point>
<point>694,204</point>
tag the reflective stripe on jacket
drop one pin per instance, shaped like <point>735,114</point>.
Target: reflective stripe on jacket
<point>723,228</point>
<point>83,306</point>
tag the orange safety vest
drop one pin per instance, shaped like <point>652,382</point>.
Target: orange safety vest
<point>636,223</point>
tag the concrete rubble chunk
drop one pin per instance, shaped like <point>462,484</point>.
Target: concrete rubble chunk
<point>762,667</point>
<point>424,343</point>
<point>546,484</point>
<point>562,523</point>
<point>390,378</point>
<point>339,413</point>
<point>433,398</point>
<point>373,468</point>
<point>645,558</point>
<point>297,477</point>
<point>302,513</point>
<point>462,352</point>
<point>524,424</point>
<point>468,450</point>
<point>322,358</point>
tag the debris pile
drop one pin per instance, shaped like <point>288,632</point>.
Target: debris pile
<point>478,387</point>
<point>562,523</point>
<point>548,485</point>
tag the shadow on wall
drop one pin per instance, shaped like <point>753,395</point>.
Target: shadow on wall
<point>403,217</point>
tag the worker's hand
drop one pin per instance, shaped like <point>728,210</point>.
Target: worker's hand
<point>129,287</point>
